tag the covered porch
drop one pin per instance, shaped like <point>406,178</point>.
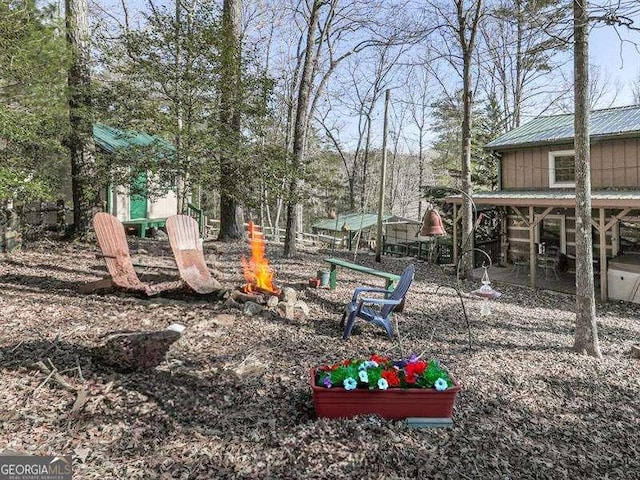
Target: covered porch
<point>531,219</point>
<point>564,282</point>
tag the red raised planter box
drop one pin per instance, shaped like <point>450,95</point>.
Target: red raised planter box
<point>392,404</point>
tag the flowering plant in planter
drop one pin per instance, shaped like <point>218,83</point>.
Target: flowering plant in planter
<point>382,373</point>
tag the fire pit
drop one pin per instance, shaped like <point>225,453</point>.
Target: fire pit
<point>257,271</point>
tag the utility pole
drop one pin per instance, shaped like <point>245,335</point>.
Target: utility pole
<point>383,174</point>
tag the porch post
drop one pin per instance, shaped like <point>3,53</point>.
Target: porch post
<point>532,248</point>
<point>603,257</point>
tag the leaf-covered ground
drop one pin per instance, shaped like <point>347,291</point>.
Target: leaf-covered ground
<point>530,407</point>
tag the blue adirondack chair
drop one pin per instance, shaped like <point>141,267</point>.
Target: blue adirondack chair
<point>376,310</point>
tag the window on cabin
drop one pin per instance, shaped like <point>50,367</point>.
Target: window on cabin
<point>562,171</point>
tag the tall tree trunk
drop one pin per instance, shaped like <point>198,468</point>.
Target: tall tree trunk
<point>181,190</point>
<point>420,168</point>
<point>365,166</point>
<point>300,127</point>
<point>467,25</point>
<point>231,215</point>
<point>467,212</point>
<point>84,182</point>
<point>586,336</point>
<point>517,98</point>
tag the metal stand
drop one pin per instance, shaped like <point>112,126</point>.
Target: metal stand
<point>464,310</point>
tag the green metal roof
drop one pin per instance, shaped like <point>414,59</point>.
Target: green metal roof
<point>612,122</point>
<point>559,198</point>
<point>353,222</point>
<point>112,139</point>
<point>608,194</point>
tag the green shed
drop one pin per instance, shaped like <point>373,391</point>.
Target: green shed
<point>136,210</point>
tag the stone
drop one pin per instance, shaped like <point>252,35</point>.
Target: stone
<point>224,319</point>
<point>129,352</point>
<point>250,367</point>
<point>302,306</point>
<point>231,303</point>
<point>272,301</point>
<point>287,308</point>
<point>252,308</point>
<point>289,295</point>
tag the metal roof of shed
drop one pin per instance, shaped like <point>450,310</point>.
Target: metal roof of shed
<point>357,221</point>
<point>353,222</point>
<point>112,139</point>
<point>611,122</point>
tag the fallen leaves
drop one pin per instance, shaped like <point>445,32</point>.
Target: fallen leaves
<point>233,401</point>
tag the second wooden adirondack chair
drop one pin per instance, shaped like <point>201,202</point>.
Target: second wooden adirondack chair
<point>115,251</point>
<point>184,237</point>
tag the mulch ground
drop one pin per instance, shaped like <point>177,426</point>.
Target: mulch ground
<point>530,407</point>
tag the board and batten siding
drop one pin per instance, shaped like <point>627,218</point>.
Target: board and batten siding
<point>614,163</point>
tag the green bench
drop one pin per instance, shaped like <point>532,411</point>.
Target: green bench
<point>142,224</point>
<point>390,278</point>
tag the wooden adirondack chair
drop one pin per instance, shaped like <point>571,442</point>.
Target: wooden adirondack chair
<point>115,251</point>
<point>377,310</point>
<point>184,237</point>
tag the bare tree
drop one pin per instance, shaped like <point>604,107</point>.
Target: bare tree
<point>300,129</point>
<point>616,15</point>
<point>524,49</point>
<point>586,336</point>
<point>603,92</point>
<point>231,215</point>
<point>459,28</point>
<point>342,30</point>
<point>420,99</point>
<point>84,180</point>
<point>365,79</point>
<point>635,89</point>
<point>468,21</point>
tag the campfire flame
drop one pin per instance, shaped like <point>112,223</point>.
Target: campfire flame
<point>257,271</point>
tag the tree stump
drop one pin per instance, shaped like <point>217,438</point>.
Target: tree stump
<point>134,351</point>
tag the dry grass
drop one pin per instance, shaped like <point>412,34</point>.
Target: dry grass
<point>530,407</point>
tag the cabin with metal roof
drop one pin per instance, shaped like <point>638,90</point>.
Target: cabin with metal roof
<point>537,196</point>
<point>133,205</point>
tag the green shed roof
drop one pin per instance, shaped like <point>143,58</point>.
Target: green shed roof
<point>357,221</point>
<point>611,122</point>
<point>353,221</point>
<point>112,139</point>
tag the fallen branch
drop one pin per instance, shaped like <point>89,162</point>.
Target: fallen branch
<point>80,402</point>
<point>53,373</point>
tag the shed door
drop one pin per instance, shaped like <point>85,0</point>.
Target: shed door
<point>138,198</point>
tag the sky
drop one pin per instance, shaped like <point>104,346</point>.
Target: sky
<point>619,60</point>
